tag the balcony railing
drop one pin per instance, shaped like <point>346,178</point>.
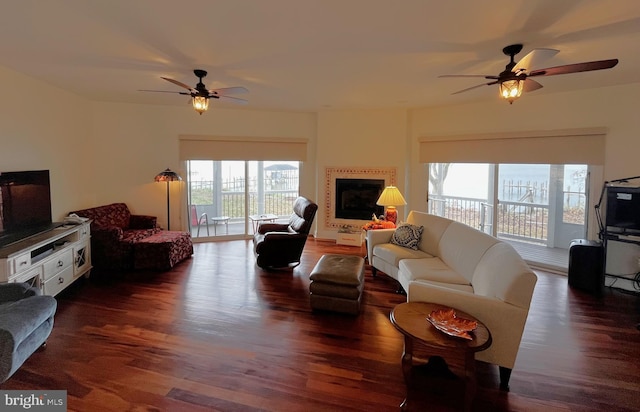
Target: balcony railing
<point>461,209</point>
<point>523,221</point>
<point>274,194</point>
<point>277,202</point>
<point>515,220</point>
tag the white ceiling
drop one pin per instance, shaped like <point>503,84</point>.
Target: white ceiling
<point>308,55</point>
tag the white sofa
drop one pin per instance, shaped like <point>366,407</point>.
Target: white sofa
<point>461,267</point>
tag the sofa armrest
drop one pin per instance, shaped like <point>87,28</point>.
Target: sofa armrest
<point>143,222</point>
<point>107,235</point>
<point>11,292</point>
<point>376,237</point>
<point>505,321</point>
<point>273,227</point>
<point>20,318</point>
<point>278,242</point>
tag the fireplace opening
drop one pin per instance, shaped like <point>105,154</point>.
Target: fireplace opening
<point>356,198</point>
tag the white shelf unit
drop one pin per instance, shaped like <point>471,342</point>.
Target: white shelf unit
<point>50,261</point>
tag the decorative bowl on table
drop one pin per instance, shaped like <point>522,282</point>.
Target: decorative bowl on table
<point>446,321</point>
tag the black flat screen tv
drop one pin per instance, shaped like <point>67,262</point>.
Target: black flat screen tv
<point>25,205</point>
<point>623,209</point>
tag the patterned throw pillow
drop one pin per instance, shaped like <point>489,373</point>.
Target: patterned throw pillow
<point>407,235</point>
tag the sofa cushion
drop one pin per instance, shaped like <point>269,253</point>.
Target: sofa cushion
<point>462,288</point>
<point>433,269</point>
<point>501,273</point>
<point>133,236</point>
<point>434,227</point>
<point>462,247</point>
<point>163,250</point>
<point>393,253</point>
<point>407,235</point>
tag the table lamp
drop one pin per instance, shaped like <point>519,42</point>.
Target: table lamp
<point>390,198</point>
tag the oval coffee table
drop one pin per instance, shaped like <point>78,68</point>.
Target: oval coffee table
<point>411,320</point>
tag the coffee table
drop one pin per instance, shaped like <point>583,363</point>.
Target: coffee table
<point>411,320</point>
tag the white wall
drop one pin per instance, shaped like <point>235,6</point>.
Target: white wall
<point>614,108</point>
<point>42,127</point>
<point>359,138</point>
<point>132,143</point>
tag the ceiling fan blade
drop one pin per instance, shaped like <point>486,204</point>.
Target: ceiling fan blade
<point>486,76</point>
<point>475,87</point>
<point>223,91</point>
<point>575,68</point>
<point>531,85</point>
<point>163,91</point>
<point>534,59</point>
<point>177,83</point>
<point>231,99</point>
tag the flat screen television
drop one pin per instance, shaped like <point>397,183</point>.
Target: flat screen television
<point>25,205</point>
<point>623,209</point>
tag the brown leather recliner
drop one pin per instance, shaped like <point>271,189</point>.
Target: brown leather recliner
<point>279,245</point>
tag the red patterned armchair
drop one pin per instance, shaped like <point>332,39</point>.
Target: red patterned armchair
<point>114,231</point>
<point>280,245</point>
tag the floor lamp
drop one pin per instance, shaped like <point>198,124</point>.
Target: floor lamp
<point>168,175</point>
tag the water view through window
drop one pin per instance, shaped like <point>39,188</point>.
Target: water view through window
<point>537,204</point>
<point>223,195</point>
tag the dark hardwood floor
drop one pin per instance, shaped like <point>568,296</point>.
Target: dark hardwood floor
<point>219,334</point>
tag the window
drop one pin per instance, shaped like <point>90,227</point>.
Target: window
<point>222,194</point>
<point>538,208</point>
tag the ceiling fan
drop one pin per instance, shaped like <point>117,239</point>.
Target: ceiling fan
<point>200,95</point>
<point>516,77</point>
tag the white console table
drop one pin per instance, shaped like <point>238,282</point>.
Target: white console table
<point>50,261</point>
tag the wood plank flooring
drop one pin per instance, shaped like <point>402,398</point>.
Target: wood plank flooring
<point>219,334</point>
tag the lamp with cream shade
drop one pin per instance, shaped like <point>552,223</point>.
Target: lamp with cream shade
<point>390,198</point>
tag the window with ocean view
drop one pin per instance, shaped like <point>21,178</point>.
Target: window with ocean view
<point>538,207</point>
<point>224,195</point>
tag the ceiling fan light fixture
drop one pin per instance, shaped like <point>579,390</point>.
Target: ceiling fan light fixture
<point>510,90</point>
<point>200,104</point>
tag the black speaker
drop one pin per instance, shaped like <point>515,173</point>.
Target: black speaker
<point>586,266</point>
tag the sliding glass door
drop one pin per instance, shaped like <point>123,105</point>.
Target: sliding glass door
<point>228,198</point>
<point>537,208</point>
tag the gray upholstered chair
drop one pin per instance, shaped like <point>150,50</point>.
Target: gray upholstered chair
<point>26,320</point>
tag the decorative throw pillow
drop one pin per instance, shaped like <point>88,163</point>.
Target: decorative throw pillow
<point>407,235</point>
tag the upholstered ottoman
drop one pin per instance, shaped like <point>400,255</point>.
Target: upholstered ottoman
<point>162,250</point>
<point>337,282</point>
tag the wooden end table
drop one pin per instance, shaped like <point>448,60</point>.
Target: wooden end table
<point>411,320</point>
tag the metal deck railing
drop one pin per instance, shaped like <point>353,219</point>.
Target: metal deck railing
<point>515,220</point>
